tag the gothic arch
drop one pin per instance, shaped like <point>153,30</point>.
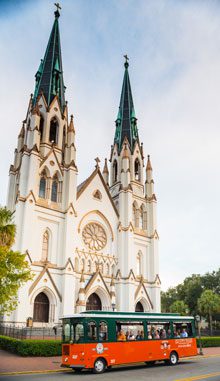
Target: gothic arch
<point>115,171</point>
<point>137,169</point>
<point>144,303</point>
<point>102,294</point>
<point>139,307</point>
<point>100,215</point>
<point>54,130</point>
<point>135,213</point>
<point>41,308</point>
<point>52,301</point>
<point>41,127</point>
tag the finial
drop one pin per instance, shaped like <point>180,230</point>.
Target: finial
<point>97,162</point>
<point>148,167</point>
<point>105,169</point>
<point>71,125</point>
<point>57,13</point>
<point>126,64</point>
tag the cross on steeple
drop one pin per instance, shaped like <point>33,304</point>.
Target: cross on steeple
<point>58,6</point>
<point>126,61</point>
<point>57,13</point>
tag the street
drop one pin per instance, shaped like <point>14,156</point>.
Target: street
<point>187,370</point>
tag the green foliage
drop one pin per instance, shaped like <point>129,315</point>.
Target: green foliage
<point>14,269</point>
<point>44,348</point>
<point>209,304</point>
<point>7,228</point>
<point>180,307</point>
<point>209,342</point>
<point>189,293</point>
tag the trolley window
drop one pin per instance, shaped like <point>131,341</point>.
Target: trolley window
<point>158,330</point>
<point>129,330</point>
<point>182,329</point>
<point>92,331</point>
<point>103,331</point>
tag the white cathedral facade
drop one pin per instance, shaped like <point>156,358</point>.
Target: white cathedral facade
<point>92,245</point>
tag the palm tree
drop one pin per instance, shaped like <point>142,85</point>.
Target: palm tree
<point>7,228</point>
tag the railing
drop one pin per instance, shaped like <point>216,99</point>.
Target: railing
<point>35,333</point>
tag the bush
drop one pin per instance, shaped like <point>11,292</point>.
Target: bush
<point>209,342</point>
<point>43,348</point>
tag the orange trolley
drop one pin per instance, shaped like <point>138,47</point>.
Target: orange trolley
<point>98,340</point>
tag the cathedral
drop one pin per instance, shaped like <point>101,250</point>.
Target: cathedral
<point>94,245</point>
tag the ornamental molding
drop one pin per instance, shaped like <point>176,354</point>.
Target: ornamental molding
<point>94,236</point>
<point>129,227</point>
<point>111,259</point>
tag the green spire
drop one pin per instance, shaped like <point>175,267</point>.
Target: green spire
<point>49,77</point>
<point>126,123</point>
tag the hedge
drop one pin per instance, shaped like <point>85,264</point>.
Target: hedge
<point>209,341</point>
<point>42,348</point>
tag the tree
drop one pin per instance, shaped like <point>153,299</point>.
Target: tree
<point>209,304</point>
<point>14,269</point>
<point>168,298</point>
<point>179,307</point>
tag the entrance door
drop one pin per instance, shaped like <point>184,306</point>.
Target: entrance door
<point>139,307</point>
<point>41,308</point>
<point>94,302</point>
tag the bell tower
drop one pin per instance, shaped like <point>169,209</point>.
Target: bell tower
<point>42,178</point>
<point>133,195</point>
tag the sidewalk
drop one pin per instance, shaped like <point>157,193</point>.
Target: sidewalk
<point>13,363</point>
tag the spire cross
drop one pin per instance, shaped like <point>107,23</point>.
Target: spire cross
<point>58,6</point>
<point>126,58</point>
<point>97,162</point>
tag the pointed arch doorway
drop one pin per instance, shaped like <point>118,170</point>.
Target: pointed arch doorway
<point>93,302</point>
<point>41,308</point>
<point>139,307</point>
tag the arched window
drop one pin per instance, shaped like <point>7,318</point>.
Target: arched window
<point>42,186</point>
<point>53,137</point>
<point>137,172</point>
<point>41,127</point>
<point>64,142</point>
<point>54,190</point>
<point>94,302</point>
<point>103,331</point>
<point>113,269</point>
<point>115,171</point>
<point>143,218</point>
<point>139,307</point>
<point>45,246</point>
<point>144,224</point>
<point>83,264</point>
<point>41,308</point>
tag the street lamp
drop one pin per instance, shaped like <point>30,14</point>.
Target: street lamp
<point>198,319</point>
<point>113,306</point>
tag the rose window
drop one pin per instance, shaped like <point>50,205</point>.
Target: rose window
<point>94,236</point>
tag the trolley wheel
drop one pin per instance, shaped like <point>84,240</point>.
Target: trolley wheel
<point>173,358</point>
<point>99,366</point>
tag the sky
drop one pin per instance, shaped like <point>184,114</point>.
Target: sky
<point>174,56</point>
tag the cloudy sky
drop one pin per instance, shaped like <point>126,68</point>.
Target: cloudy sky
<point>174,50</point>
